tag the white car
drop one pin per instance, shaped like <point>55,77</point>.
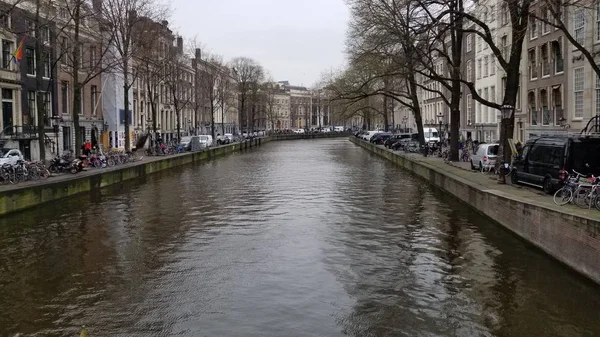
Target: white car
<point>206,140</point>
<point>299,131</point>
<point>485,155</point>
<point>367,136</point>
<point>10,156</point>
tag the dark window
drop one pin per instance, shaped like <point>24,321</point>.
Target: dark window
<point>30,58</point>
<point>552,155</point>
<point>67,138</point>
<point>6,53</point>
<point>82,132</point>
<point>536,153</point>
<point>64,97</point>
<point>47,69</point>
<point>93,98</point>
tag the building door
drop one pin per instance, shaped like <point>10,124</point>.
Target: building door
<point>25,148</point>
<point>7,117</point>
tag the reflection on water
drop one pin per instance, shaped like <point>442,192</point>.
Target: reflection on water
<point>306,238</point>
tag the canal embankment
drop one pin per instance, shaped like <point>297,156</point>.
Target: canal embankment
<point>570,235</point>
<point>296,136</point>
<point>24,196</point>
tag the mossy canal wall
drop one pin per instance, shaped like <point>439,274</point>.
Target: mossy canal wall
<point>16,198</point>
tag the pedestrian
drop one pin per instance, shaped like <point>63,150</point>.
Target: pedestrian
<point>87,148</point>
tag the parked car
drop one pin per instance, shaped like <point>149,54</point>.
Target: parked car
<point>485,155</point>
<point>379,138</point>
<point>402,143</point>
<point>10,156</point>
<point>367,136</point>
<point>206,140</point>
<point>545,162</point>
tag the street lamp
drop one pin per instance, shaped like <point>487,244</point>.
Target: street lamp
<point>507,112</point>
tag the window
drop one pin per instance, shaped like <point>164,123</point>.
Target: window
<point>469,71</point>
<point>45,33</point>
<point>92,57</point>
<point>598,22</point>
<point>30,58</point>
<point>485,107</point>
<point>47,69</point>
<point>46,105</point>
<point>597,94</point>
<point>5,20</point>
<point>30,28</point>
<point>545,63</point>
<point>7,47</point>
<point>470,108</point>
<point>504,13</point>
<point>579,25</point>
<point>94,98</point>
<point>485,66</point>
<point>578,91</point>
<point>31,104</point>
<point>504,44</point>
<point>533,28</point>
<point>478,117</point>
<point>492,13</point>
<point>478,68</point>
<point>557,53</point>
<point>532,64</point>
<point>82,134</point>
<point>82,96</point>
<point>493,93</point>
<point>469,42</point>
<point>546,116</point>
<point>492,65</point>
<point>67,138</point>
<point>546,15</point>
<point>478,43</point>
<point>64,97</point>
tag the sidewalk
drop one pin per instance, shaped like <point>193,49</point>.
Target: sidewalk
<point>89,171</point>
<point>489,182</point>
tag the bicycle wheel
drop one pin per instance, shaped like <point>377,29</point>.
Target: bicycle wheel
<point>563,196</point>
<point>580,197</point>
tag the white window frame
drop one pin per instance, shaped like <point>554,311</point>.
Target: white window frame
<point>579,26</point>
<point>470,42</point>
<point>469,71</point>
<point>485,66</point>
<point>479,69</point>
<point>597,35</point>
<point>470,107</point>
<point>492,65</point>
<point>578,86</point>
<point>533,33</point>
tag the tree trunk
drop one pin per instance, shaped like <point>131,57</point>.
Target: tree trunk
<point>223,119</point>
<point>455,99</point>
<point>416,109</point>
<point>212,119</point>
<point>126,99</point>
<point>178,116</point>
<point>41,113</point>
<point>77,108</point>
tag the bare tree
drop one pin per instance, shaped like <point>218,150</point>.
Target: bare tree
<point>209,74</point>
<point>248,74</point>
<point>128,19</point>
<point>269,90</point>
<point>177,82</point>
<point>82,21</point>
<point>224,95</point>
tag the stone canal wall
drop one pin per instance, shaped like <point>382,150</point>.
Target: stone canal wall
<point>295,136</point>
<point>30,194</point>
<point>570,238</point>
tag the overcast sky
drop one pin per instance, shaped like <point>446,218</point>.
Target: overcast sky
<point>295,40</point>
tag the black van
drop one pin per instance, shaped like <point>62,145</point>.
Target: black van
<point>546,161</point>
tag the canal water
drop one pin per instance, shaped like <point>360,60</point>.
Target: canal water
<point>298,238</point>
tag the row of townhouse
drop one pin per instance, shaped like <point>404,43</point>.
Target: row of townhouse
<point>172,101</point>
<point>558,92</point>
<point>298,107</point>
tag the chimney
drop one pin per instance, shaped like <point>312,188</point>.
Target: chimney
<point>198,54</point>
<point>180,45</point>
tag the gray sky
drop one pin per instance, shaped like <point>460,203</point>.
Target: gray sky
<point>294,40</point>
